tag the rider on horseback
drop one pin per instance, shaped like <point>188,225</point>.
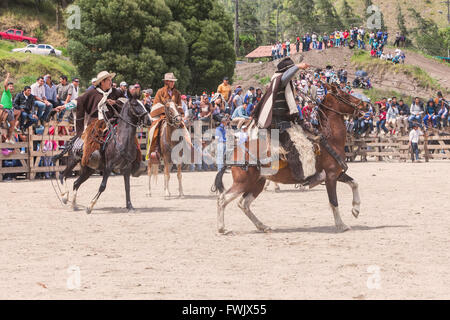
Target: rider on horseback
<point>168,92</point>
<point>278,110</point>
<point>101,105</point>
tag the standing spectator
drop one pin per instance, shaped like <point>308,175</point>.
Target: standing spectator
<point>41,102</point>
<point>249,95</point>
<point>288,47</point>
<point>224,89</point>
<point>397,40</point>
<point>274,52</point>
<point>345,37</point>
<point>92,86</point>
<point>414,139</point>
<point>382,122</point>
<point>297,44</point>
<point>325,41</point>
<point>7,105</point>
<point>283,46</point>
<point>221,136</point>
<point>337,36</point>
<point>25,103</point>
<point>314,41</point>
<point>415,111</point>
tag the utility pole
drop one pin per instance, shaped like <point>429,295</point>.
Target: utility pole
<point>448,9</point>
<point>278,13</point>
<point>236,28</point>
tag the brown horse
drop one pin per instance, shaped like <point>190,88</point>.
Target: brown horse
<point>172,121</point>
<point>250,183</point>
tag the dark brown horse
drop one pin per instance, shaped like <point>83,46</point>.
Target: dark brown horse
<point>120,154</point>
<point>173,121</point>
<point>250,183</point>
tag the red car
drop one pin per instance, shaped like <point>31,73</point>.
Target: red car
<point>16,35</point>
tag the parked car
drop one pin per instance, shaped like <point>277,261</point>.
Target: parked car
<point>16,35</point>
<point>44,49</point>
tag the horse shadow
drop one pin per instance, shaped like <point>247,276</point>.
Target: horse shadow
<point>328,229</point>
<point>122,210</point>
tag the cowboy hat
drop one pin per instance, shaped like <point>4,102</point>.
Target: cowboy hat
<point>169,77</point>
<point>102,76</point>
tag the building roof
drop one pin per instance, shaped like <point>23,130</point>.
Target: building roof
<point>264,52</point>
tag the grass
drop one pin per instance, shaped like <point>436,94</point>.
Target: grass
<point>25,67</point>
<point>264,80</point>
<point>363,60</point>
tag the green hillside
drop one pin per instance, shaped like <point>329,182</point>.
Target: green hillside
<point>25,67</point>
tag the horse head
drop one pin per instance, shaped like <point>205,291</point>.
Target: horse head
<point>174,119</point>
<point>343,102</point>
<point>136,110</point>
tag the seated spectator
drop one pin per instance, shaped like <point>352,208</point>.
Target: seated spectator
<point>442,108</point>
<point>402,118</point>
<point>391,118</point>
<point>41,102</point>
<point>24,102</point>
<point>51,94</point>
<point>205,108</point>
<point>7,105</point>
<point>366,122</point>
<point>415,111</point>
<point>240,116</point>
<point>430,114</point>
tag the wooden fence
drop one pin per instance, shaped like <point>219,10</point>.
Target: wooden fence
<point>32,155</point>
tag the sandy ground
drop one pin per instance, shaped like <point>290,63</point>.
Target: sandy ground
<point>170,249</point>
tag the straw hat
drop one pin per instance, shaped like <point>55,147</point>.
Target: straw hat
<point>102,76</point>
<point>169,77</point>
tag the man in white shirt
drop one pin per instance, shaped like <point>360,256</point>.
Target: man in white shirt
<point>41,102</point>
<point>414,135</point>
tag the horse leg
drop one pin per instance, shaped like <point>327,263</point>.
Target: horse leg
<point>102,188</point>
<point>167,167</point>
<point>152,171</point>
<point>63,179</point>
<point>224,199</point>
<point>331,182</point>
<point>356,203</point>
<point>126,178</point>
<point>180,185</point>
<point>247,198</point>
<point>85,173</point>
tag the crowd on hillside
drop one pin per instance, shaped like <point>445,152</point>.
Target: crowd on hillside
<point>352,37</point>
<point>37,104</point>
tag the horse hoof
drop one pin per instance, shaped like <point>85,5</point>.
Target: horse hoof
<point>88,210</point>
<point>75,208</point>
<point>277,190</point>
<point>64,200</point>
<point>131,210</point>
<point>343,228</point>
<point>355,212</point>
<point>225,232</point>
<point>265,229</point>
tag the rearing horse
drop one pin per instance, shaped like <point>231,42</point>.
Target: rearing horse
<point>250,183</point>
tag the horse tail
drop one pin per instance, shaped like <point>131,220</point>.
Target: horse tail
<point>218,183</point>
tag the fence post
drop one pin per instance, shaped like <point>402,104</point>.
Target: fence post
<point>425,146</point>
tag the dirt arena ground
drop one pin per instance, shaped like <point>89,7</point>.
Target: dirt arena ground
<point>398,247</point>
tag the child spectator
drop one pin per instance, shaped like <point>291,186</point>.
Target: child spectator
<point>414,140</point>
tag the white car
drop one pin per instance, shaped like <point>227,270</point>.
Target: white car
<point>44,49</point>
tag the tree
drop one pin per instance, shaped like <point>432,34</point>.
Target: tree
<point>348,16</point>
<point>304,14</point>
<point>329,16</point>
<point>401,21</point>
<point>209,41</point>
<point>139,40</point>
<point>427,35</point>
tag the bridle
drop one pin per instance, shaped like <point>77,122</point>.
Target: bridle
<point>134,114</point>
<point>172,120</point>
<point>356,107</point>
